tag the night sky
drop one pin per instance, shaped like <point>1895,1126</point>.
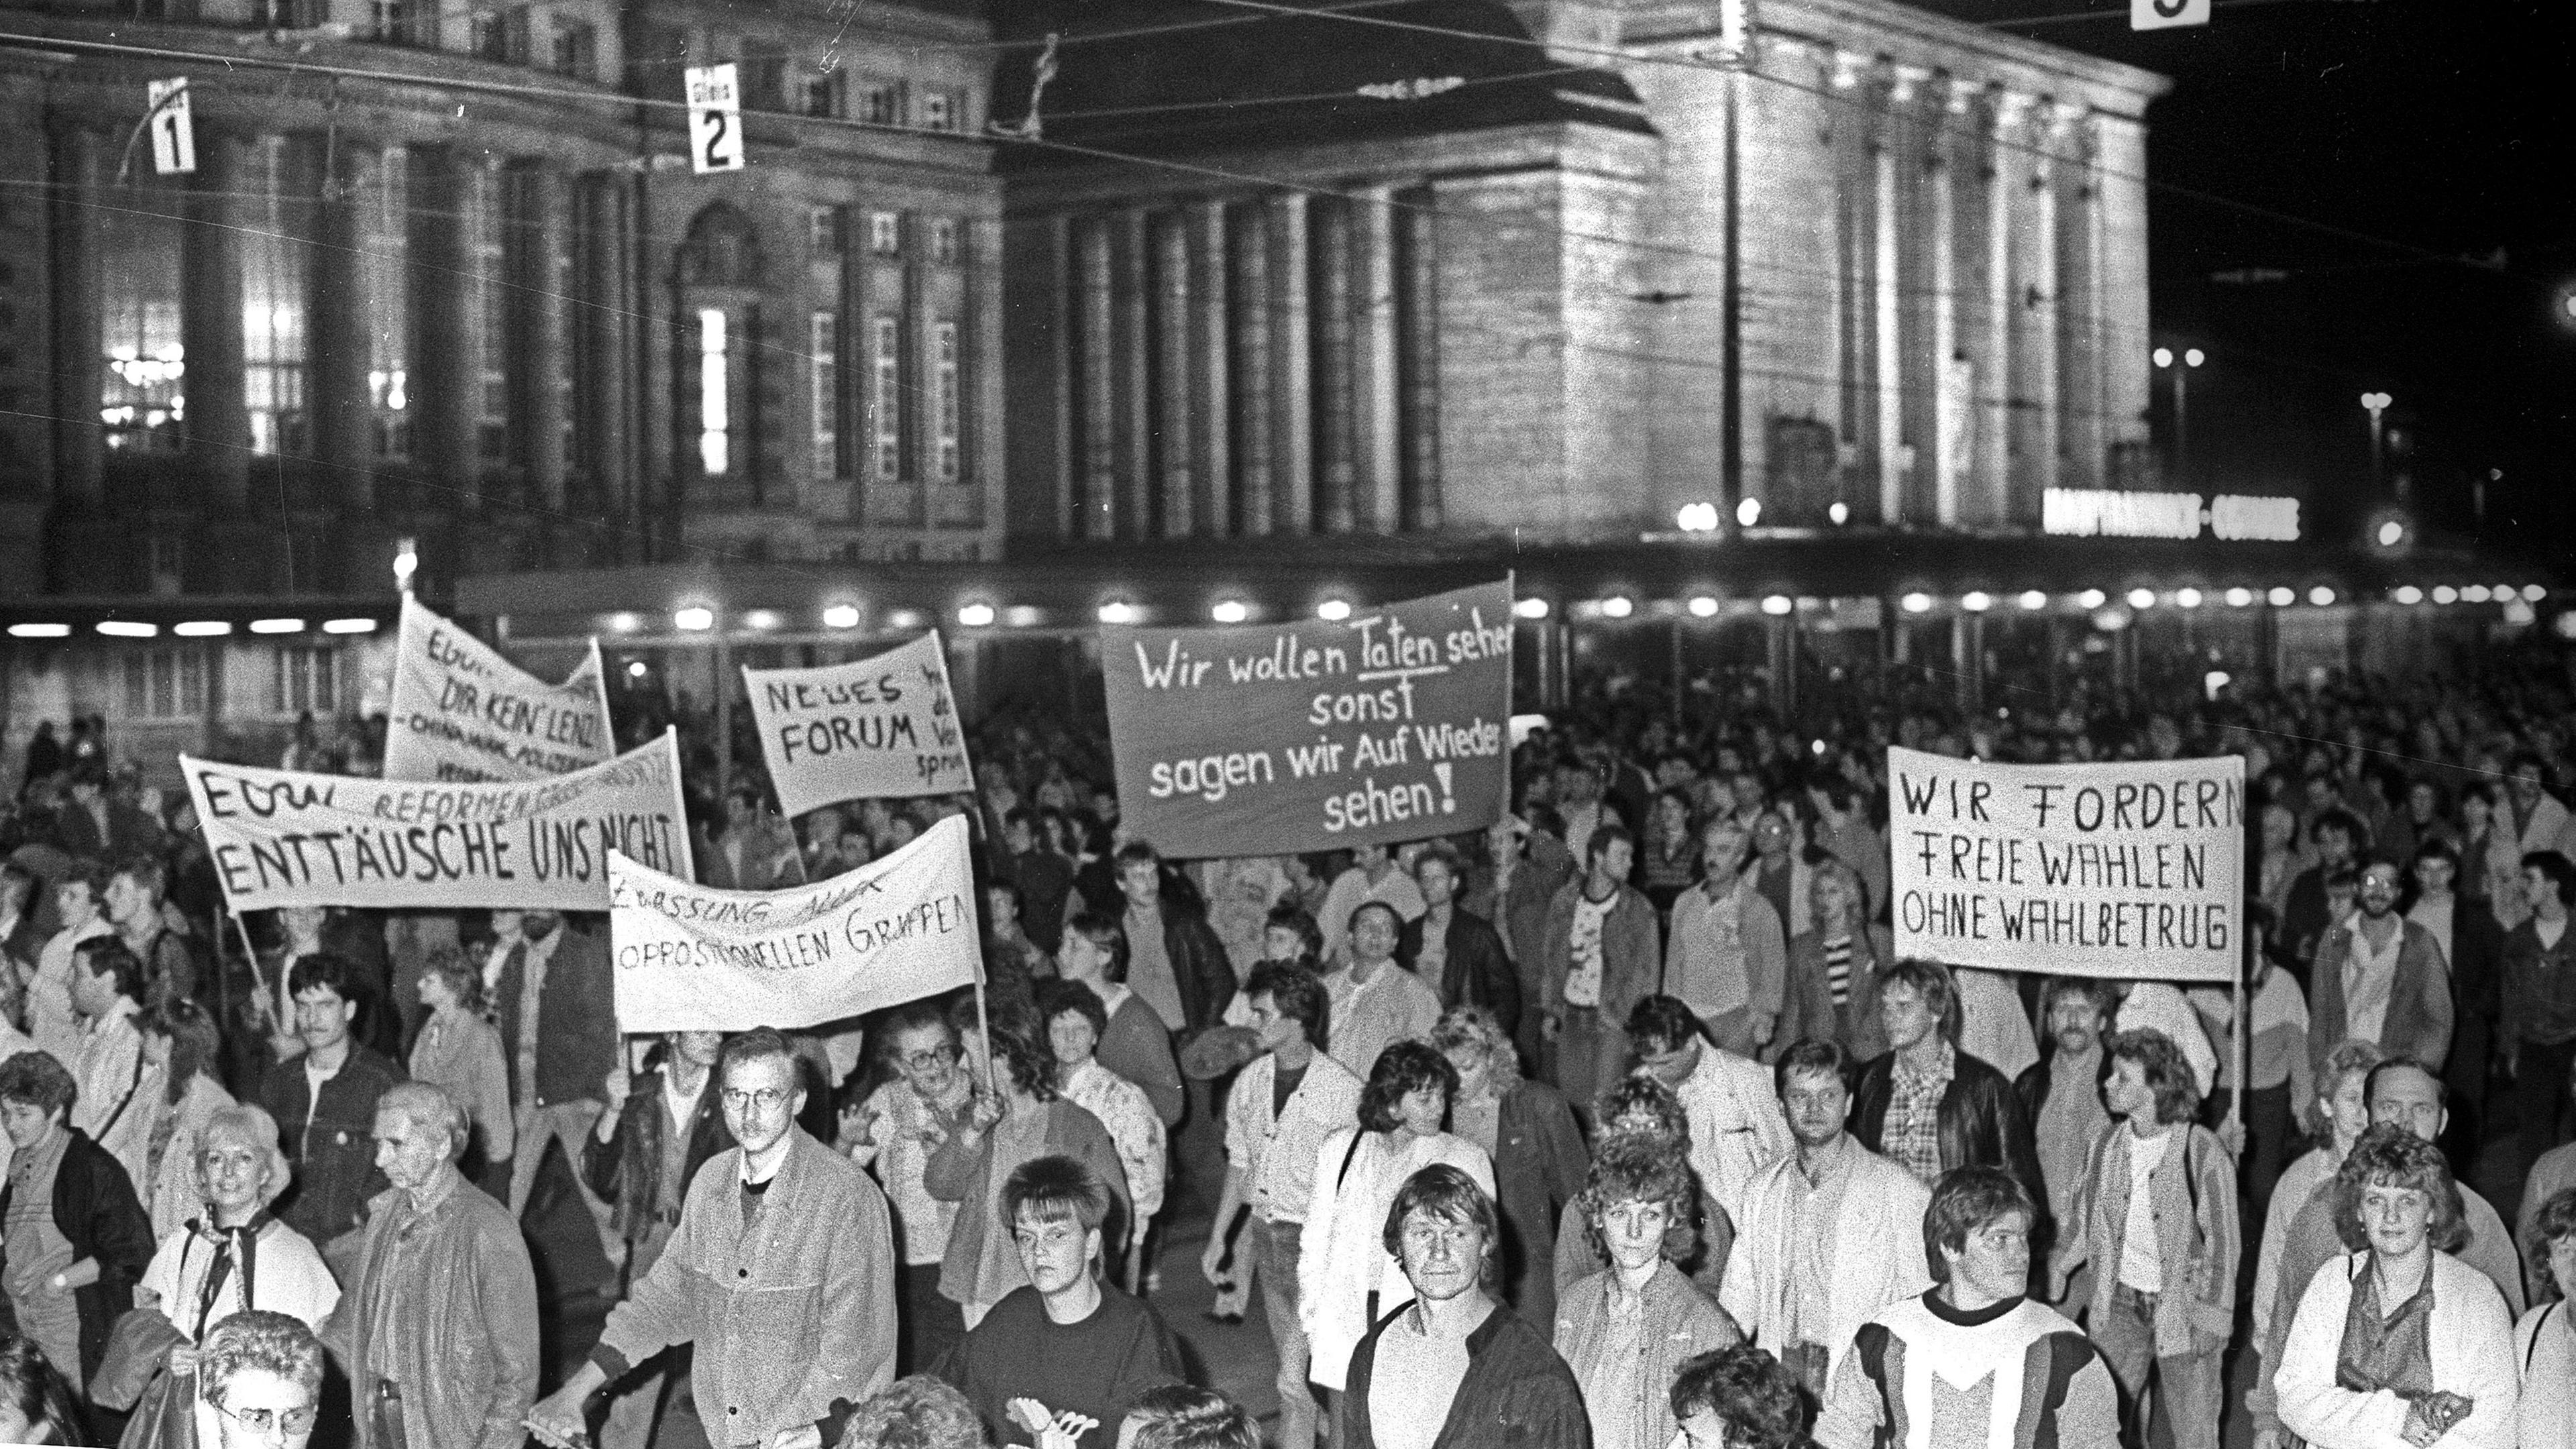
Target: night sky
<point>2417,132</point>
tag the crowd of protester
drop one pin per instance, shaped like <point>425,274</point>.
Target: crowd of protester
<point>1619,1123</point>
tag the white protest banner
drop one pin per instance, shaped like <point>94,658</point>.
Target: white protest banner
<point>287,838</point>
<point>874,728</point>
<point>2129,870</point>
<point>462,713</point>
<point>692,958</point>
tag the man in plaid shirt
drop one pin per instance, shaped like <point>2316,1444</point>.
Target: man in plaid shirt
<point>1928,1106</point>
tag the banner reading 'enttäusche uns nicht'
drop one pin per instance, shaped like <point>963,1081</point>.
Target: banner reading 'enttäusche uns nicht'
<point>693,958</point>
<point>287,838</point>
<point>1389,725</point>
<point>2131,870</point>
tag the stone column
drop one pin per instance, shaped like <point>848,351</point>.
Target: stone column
<point>2120,169</point>
<point>2079,309</point>
<point>1063,296</point>
<point>1211,395</point>
<point>1292,437</point>
<point>1380,425</point>
<point>1252,342</point>
<point>2043,307</point>
<point>1915,111</point>
<point>445,384</point>
<point>1887,384</point>
<point>1417,230</point>
<point>218,424</point>
<point>1175,420</point>
<point>1997,367</point>
<point>1099,465</point>
<point>1850,205</point>
<point>542,236</point>
<point>607,426</point>
<point>1135,372</point>
<point>1333,371</point>
<point>343,418</point>
<point>1953,164</point>
<point>79,352</point>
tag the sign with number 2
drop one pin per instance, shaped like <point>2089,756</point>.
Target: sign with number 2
<point>715,118</point>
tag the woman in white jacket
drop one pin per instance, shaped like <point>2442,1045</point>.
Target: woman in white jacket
<point>2400,1346</point>
<point>2544,1343</point>
<point>1346,1279</point>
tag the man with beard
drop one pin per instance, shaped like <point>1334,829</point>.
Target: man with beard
<point>2380,978</point>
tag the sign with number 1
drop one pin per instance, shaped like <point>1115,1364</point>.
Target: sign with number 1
<point>174,140</point>
<point>715,118</point>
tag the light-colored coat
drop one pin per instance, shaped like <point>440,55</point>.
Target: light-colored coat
<point>2472,1344</point>
<point>1344,1257</point>
<point>2198,1242</point>
<point>1876,1257</point>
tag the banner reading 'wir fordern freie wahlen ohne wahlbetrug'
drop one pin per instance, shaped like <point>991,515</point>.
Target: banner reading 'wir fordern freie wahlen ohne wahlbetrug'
<point>692,958</point>
<point>1390,725</point>
<point>2126,870</point>
<point>288,838</point>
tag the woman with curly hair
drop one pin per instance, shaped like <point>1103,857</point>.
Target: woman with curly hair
<point>1641,1106</point>
<point>2400,1341</point>
<point>1738,1398</point>
<point>2336,1117</point>
<point>459,1052</point>
<point>1626,1328</point>
<point>1029,1120</point>
<point>1537,1151</point>
<point>1346,1279</point>
<point>2544,1343</point>
<point>179,1096</point>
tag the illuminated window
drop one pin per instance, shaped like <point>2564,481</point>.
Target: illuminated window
<point>165,683</point>
<point>384,204</point>
<point>885,397</point>
<point>303,679</point>
<point>885,233</point>
<point>942,111</point>
<point>825,345</point>
<point>715,415</point>
<point>143,399</point>
<point>943,399</point>
<point>275,269</point>
<point>823,231</point>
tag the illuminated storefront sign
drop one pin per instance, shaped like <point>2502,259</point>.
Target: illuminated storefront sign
<point>2098,513</point>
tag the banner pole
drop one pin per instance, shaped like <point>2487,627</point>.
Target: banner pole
<point>984,1025</point>
<point>2238,1048</point>
<point>250,957</point>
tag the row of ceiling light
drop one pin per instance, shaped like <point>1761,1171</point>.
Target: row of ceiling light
<point>189,628</point>
<point>983,614</point>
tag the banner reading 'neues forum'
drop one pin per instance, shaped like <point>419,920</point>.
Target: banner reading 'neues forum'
<point>897,929</point>
<point>2109,870</point>
<point>287,838</point>
<point>462,713</point>
<point>1390,725</point>
<point>870,729</point>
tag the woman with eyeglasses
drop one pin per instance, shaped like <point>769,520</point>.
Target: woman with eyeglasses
<point>1027,1120</point>
<point>259,1384</point>
<point>892,1133</point>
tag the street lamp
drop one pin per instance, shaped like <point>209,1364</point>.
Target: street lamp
<point>2377,404</point>
<point>2166,360</point>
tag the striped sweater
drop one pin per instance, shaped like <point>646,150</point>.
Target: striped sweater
<point>1922,1375</point>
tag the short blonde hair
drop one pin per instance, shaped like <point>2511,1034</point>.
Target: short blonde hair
<point>260,1130</point>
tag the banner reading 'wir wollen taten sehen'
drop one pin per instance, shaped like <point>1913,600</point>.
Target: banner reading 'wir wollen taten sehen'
<point>1389,725</point>
<point>2129,870</point>
<point>287,838</point>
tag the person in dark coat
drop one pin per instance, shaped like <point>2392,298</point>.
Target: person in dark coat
<point>44,754</point>
<point>1174,957</point>
<point>1537,1150</point>
<point>559,1042</point>
<point>1443,1230</point>
<point>70,1274</point>
<point>328,1135</point>
<point>1458,955</point>
<point>1976,1117</point>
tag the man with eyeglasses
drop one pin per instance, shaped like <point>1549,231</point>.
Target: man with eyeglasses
<point>260,1379</point>
<point>781,1276</point>
<point>894,1132</point>
<point>438,1326</point>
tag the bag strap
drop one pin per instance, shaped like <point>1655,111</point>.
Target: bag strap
<point>125,1101</point>
<point>1352,1151</point>
<point>2538,1329</point>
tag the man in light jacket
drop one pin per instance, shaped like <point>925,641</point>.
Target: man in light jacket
<point>2380,977</point>
<point>1825,1236</point>
<point>782,1274</point>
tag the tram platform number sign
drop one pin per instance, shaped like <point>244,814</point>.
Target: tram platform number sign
<point>174,140</point>
<point>715,118</point>
<point>2167,14</point>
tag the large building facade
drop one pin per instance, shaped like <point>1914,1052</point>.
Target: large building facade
<point>443,275</point>
<point>1847,260</point>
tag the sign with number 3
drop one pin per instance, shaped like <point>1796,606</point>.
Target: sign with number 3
<point>715,119</point>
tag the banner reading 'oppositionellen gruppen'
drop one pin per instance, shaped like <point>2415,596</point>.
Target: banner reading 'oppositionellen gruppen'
<point>2105,870</point>
<point>690,958</point>
<point>1389,725</point>
<point>287,838</point>
<point>870,729</point>
<point>462,713</point>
